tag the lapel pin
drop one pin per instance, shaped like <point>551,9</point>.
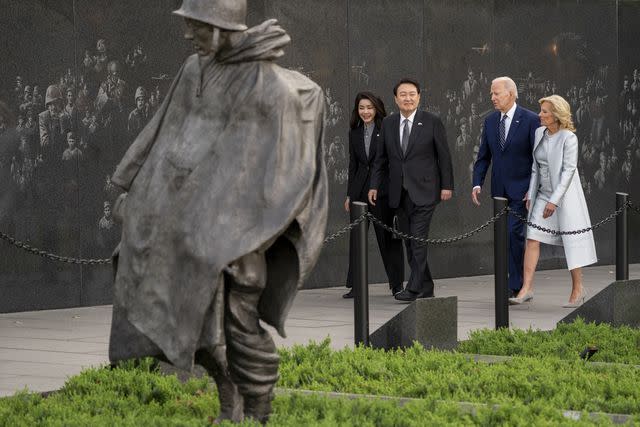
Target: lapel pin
<point>517,121</point>
<point>377,134</point>
<point>419,123</point>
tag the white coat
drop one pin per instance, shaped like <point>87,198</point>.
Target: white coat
<point>572,211</point>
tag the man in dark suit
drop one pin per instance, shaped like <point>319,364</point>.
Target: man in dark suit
<point>507,141</point>
<point>413,149</point>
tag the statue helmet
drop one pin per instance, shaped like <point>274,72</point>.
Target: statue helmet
<point>53,94</point>
<point>228,15</point>
<point>140,93</point>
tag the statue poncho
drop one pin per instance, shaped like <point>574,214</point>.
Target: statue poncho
<point>231,163</point>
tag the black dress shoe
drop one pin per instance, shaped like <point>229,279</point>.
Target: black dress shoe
<point>409,296</point>
<point>406,295</point>
<point>396,289</point>
<point>349,294</point>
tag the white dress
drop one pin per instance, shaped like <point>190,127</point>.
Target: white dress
<point>545,191</point>
<point>555,178</point>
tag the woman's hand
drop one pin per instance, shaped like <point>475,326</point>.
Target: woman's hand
<point>346,204</point>
<point>549,209</point>
<point>527,202</point>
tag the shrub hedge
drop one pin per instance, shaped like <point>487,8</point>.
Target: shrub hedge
<point>138,396</point>
<point>416,372</point>
<point>615,344</point>
<point>545,376</point>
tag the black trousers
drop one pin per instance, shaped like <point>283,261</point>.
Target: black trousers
<point>390,248</point>
<point>416,220</point>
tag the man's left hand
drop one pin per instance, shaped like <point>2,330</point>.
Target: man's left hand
<point>446,194</point>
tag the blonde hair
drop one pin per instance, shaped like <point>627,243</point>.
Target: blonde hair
<point>561,110</point>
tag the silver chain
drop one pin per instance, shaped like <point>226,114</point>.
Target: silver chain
<point>27,247</point>
<point>347,228</point>
<point>368,215</point>
<point>423,240</point>
<point>572,232</point>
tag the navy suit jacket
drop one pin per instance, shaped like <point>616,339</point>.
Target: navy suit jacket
<point>511,169</point>
<point>426,167</point>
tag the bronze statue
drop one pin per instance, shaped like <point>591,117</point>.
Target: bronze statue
<point>224,211</point>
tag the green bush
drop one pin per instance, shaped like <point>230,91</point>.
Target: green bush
<point>416,372</point>
<point>131,395</point>
<point>544,377</point>
<point>137,396</point>
<point>615,344</point>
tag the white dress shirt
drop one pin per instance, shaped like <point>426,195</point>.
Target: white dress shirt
<point>507,122</point>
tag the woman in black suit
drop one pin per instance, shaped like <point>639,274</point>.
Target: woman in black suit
<point>366,121</point>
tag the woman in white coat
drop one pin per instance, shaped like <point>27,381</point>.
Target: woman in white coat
<point>555,200</point>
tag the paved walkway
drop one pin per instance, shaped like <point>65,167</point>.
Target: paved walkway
<point>39,350</point>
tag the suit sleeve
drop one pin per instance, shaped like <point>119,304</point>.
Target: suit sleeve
<point>381,162</point>
<point>481,166</point>
<point>353,165</point>
<point>569,165</point>
<point>444,156</point>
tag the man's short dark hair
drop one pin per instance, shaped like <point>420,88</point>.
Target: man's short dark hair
<point>407,81</point>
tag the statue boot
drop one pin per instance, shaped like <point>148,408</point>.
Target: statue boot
<point>231,402</point>
<point>258,407</point>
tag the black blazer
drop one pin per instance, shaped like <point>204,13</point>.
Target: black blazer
<point>426,167</point>
<point>360,165</point>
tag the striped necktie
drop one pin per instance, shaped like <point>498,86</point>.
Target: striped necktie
<point>503,135</point>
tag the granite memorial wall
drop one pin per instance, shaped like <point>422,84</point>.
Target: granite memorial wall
<point>113,61</point>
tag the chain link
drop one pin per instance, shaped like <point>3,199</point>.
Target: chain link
<point>423,240</point>
<point>572,232</point>
<point>344,230</point>
<point>69,260</point>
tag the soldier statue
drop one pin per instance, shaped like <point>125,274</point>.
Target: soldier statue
<point>224,209</point>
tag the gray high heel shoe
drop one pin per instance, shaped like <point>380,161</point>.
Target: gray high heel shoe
<point>519,300</point>
<point>578,302</point>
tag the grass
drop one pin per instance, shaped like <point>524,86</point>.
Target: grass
<point>545,376</point>
<point>615,344</point>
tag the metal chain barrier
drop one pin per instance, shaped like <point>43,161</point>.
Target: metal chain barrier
<point>82,261</point>
<point>572,232</point>
<point>344,230</point>
<point>423,240</point>
<point>27,247</point>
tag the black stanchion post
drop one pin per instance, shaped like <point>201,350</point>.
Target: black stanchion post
<point>360,276</point>
<point>501,262</point>
<point>622,238</point>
